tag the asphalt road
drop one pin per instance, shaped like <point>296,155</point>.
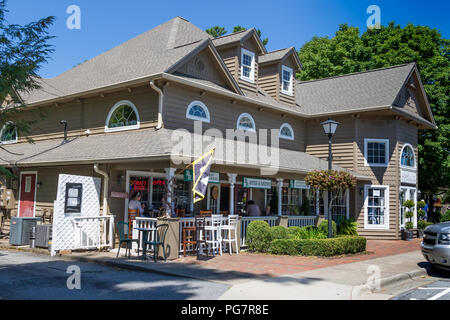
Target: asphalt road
<point>28,276</point>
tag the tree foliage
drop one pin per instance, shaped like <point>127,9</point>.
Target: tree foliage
<point>220,31</point>
<point>349,51</point>
<point>23,50</point>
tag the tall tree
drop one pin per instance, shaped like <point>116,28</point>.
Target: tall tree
<point>216,31</point>
<point>23,50</point>
<point>348,51</point>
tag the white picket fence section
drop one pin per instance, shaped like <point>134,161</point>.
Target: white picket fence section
<point>190,222</point>
<point>93,232</point>
<point>301,221</point>
<point>142,222</point>
<point>245,221</point>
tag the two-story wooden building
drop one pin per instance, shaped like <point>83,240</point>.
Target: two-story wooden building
<point>124,110</point>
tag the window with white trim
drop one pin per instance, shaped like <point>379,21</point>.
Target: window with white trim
<point>247,65</point>
<point>376,207</point>
<point>376,152</point>
<point>286,80</point>
<point>286,132</point>
<point>246,122</point>
<point>8,133</point>
<point>197,110</point>
<point>122,116</point>
<point>408,159</point>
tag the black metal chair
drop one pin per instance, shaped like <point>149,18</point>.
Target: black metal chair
<point>123,238</point>
<point>160,237</point>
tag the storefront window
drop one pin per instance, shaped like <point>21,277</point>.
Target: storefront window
<point>182,195</point>
<point>317,203</point>
<point>159,190</point>
<point>142,185</point>
<point>241,199</point>
<point>339,207</point>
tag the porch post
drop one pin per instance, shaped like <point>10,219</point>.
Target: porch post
<point>232,181</point>
<point>280,194</point>
<point>170,173</point>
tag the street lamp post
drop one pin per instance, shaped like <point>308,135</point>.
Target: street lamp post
<point>329,127</point>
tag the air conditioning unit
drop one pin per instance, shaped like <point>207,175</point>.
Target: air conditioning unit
<point>20,230</point>
<point>43,235</point>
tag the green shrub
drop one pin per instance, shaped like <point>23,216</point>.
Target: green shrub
<point>258,236</point>
<point>421,224</point>
<point>409,225</point>
<point>310,232</point>
<point>428,223</point>
<point>348,227</point>
<point>409,204</point>
<point>278,232</point>
<point>319,247</point>
<point>323,227</point>
<point>421,204</point>
<point>293,232</point>
<point>445,216</point>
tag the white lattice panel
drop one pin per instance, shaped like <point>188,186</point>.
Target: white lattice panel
<point>66,232</point>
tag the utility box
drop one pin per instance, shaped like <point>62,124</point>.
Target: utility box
<point>43,235</point>
<point>20,230</point>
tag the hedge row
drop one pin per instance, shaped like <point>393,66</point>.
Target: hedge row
<point>318,247</point>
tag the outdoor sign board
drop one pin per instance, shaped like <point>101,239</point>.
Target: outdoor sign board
<point>213,176</point>
<point>256,183</point>
<point>298,184</point>
<point>408,176</point>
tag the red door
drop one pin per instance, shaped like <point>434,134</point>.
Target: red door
<point>27,194</point>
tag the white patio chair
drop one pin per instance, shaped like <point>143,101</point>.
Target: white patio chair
<point>229,229</point>
<point>213,232</point>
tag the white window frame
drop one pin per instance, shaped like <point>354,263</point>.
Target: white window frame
<point>205,108</point>
<point>252,68</point>
<point>290,128</point>
<point>243,128</point>
<point>368,226</point>
<point>386,146</point>
<point>9,141</point>
<point>291,72</point>
<point>408,193</point>
<point>111,111</point>
<point>414,155</point>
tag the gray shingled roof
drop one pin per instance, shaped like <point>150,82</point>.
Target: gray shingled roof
<point>135,145</point>
<point>150,53</point>
<point>356,91</point>
<point>274,55</point>
<point>230,38</point>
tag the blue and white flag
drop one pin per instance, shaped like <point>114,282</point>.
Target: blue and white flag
<point>200,172</point>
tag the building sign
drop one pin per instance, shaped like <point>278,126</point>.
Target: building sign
<point>213,176</point>
<point>298,184</point>
<point>138,184</point>
<point>119,195</point>
<point>408,176</point>
<point>256,183</point>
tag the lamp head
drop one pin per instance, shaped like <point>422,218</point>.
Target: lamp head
<point>329,126</point>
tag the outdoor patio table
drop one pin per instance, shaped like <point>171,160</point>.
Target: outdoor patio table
<point>144,232</point>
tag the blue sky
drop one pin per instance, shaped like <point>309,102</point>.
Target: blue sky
<point>108,23</point>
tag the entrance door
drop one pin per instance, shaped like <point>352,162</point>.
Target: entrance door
<point>27,196</point>
<point>407,193</point>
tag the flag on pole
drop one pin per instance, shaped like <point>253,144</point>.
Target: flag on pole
<point>200,170</point>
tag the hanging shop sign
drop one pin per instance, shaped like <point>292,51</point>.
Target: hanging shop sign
<point>213,176</point>
<point>408,176</point>
<point>256,183</point>
<point>298,184</point>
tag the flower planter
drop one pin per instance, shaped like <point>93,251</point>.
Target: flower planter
<point>419,233</point>
<point>407,235</point>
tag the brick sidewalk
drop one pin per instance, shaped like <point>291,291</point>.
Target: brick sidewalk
<point>274,265</point>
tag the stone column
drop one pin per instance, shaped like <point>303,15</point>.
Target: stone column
<point>280,194</point>
<point>232,181</point>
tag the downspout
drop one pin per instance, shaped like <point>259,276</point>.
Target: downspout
<point>105,188</point>
<point>160,104</point>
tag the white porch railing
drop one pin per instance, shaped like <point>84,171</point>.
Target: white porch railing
<point>245,221</point>
<point>301,221</point>
<point>93,232</point>
<point>142,222</point>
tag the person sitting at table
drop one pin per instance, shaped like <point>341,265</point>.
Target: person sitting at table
<point>253,209</point>
<point>135,203</point>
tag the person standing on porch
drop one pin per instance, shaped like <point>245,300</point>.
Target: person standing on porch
<point>253,209</point>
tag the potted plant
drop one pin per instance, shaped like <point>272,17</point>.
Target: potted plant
<point>421,224</point>
<point>407,233</point>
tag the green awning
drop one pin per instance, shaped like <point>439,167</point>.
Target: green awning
<point>6,172</point>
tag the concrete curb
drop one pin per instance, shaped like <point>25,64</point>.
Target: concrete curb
<point>391,280</point>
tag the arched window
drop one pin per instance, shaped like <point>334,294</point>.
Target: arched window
<point>8,133</point>
<point>286,131</point>
<point>246,122</point>
<point>197,110</point>
<point>408,158</point>
<point>123,116</point>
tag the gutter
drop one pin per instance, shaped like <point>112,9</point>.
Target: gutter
<point>105,189</point>
<point>160,104</point>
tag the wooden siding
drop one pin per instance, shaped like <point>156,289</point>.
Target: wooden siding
<point>269,80</point>
<point>230,58</point>
<point>224,115</point>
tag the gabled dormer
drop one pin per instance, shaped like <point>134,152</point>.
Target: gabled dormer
<point>240,51</point>
<point>277,74</point>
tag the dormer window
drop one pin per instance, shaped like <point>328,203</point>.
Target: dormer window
<point>286,80</point>
<point>247,65</point>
